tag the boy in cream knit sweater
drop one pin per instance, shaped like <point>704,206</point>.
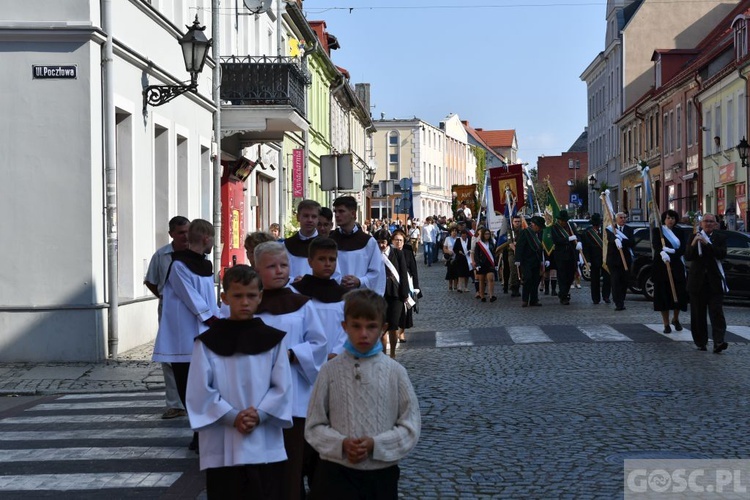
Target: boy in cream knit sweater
<point>363,415</point>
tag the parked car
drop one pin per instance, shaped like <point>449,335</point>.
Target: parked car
<point>736,267</point>
<point>584,224</point>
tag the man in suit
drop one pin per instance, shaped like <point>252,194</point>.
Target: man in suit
<point>707,284</point>
<point>619,248</point>
<point>530,259</point>
<point>565,254</point>
<point>592,247</point>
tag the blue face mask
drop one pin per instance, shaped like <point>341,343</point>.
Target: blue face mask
<point>376,349</point>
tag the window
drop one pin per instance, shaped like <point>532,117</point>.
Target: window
<point>730,139</point>
<point>393,138</point>
<point>678,129</point>
<point>393,158</point>
<point>707,139</point>
<point>665,130</point>
<point>717,127</point>
<point>740,38</point>
<point>690,124</point>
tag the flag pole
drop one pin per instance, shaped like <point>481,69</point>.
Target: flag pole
<point>606,202</point>
<point>657,221</point>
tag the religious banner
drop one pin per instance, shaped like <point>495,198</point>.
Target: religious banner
<point>298,187</point>
<point>507,182</point>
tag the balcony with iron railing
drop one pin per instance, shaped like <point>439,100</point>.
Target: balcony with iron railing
<point>263,89</point>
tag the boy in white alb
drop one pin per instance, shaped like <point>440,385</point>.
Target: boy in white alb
<point>359,258</point>
<point>326,294</point>
<point>239,396</point>
<point>363,415</point>
<point>297,244</point>
<point>305,343</point>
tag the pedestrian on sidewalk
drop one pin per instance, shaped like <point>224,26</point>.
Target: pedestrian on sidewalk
<point>189,305</point>
<point>429,237</point>
<point>155,278</point>
<point>240,396</point>
<point>363,416</point>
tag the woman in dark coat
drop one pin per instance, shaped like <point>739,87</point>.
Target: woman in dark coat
<point>669,254</point>
<point>484,251</point>
<point>462,253</point>
<point>398,239</point>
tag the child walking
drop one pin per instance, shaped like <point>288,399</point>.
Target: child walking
<point>239,396</point>
<point>363,415</point>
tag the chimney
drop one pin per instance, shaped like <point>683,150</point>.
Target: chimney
<point>362,90</point>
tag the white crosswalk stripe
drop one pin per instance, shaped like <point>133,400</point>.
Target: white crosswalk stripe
<point>604,333</point>
<point>684,336</point>
<point>527,334</point>
<point>125,450</point>
<point>458,338</point>
<point>742,331</point>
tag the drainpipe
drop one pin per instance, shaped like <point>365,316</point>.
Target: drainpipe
<point>216,146</point>
<point>110,178</point>
<point>747,179</point>
<point>699,140</point>
<point>280,160</point>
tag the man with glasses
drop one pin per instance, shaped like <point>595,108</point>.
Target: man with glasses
<point>707,284</point>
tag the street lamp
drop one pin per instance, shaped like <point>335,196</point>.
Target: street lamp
<point>369,175</point>
<point>742,149</point>
<point>195,47</point>
<point>592,182</point>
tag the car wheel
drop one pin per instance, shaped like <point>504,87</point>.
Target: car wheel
<point>648,287</point>
<point>586,272</point>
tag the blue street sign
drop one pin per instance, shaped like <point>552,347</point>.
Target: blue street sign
<point>574,198</point>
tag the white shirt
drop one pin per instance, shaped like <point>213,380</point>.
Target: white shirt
<point>429,233</point>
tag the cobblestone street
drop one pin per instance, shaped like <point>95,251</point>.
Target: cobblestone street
<point>555,419</point>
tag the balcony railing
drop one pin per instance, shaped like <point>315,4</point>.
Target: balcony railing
<point>263,81</point>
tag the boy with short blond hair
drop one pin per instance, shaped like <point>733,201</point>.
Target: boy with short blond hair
<point>239,396</point>
<point>305,343</point>
<point>363,415</point>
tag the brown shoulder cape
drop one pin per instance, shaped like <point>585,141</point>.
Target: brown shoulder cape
<point>281,301</point>
<point>227,337</point>
<point>297,246</point>
<point>326,291</point>
<point>350,242</point>
<point>196,262</point>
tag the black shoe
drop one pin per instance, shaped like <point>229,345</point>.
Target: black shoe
<point>721,347</point>
<point>667,329</point>
<point>193,446</point>
<point>493,298</point>
<point>620,308</point>
<point>677,325</point>
<point>484,299</point>
<point>537,304</point>
<point>596,303</point>
<point>607,301</point>
<point>702,348</point>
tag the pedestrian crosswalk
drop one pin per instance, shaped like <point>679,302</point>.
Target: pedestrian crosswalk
<point>95,446</point>
<point>536,334</point>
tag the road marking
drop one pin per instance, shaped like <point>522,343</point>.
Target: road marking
<point>99,405</point>
<point>124,453</point>
<point>684,336</point>
<point>82,419</point>
<point>61,435</point>
<point>742,331</point>
<point>527,334</point>
<point>65,482</point>
<point>458,338</point>
<point>603,333</point>
<point>111,395</point>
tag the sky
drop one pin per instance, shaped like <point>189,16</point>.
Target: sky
<point>500,64</point>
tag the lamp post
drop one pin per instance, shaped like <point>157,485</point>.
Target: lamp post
<point>592,187</point>
<point>742,149</point>
<point>570,193</point>
<point>195,47</point>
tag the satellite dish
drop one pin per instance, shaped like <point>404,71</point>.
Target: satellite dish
<point>258,6</point>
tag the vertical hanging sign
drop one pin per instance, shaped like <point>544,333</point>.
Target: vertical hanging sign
<point>297,174</point>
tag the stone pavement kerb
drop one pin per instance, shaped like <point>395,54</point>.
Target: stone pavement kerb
<point>131,372</point>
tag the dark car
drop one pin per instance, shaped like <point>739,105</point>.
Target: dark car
<point>583,224</point>
<point>736,266</point>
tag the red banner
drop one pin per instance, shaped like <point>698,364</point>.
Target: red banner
<point>298,186</point>
<point>503,180</point>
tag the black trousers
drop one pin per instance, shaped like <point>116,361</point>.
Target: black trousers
<point>261,481</point>
<point>294,443</point>
<point>530,291</point>
<point>334,481</point>
<point>180,377</point>
<point>619,285</point>
<point>566,269</point>
<point>713,303</point>
<point>601,286</point>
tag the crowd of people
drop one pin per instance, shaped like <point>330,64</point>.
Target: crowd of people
<point>287,377</point>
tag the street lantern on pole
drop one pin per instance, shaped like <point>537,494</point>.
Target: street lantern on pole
<point>195,47</point>
<point>742,149</point>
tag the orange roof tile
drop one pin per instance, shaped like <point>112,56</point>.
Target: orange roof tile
<point>497,138</point>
